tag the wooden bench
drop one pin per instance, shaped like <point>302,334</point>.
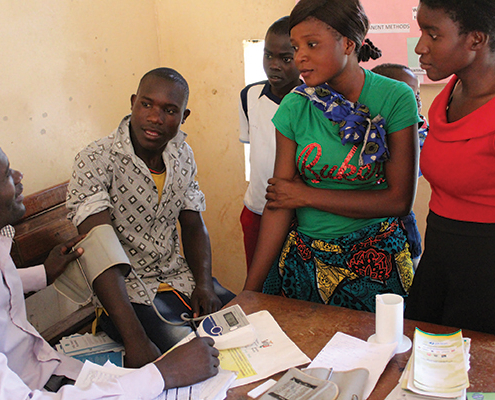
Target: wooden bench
<point>44,226</point>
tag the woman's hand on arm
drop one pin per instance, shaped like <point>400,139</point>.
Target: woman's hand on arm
<point>275,223</point>
<point>110,288</point>
<point>401,173</point>
<point>286,193</point>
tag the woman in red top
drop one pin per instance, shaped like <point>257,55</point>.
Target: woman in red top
<point>454,283</point>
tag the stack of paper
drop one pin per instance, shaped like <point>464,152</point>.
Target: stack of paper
<point>437,368</point>
<point>97,348</point>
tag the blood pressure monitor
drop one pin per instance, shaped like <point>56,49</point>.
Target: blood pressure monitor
<point>229,328</point>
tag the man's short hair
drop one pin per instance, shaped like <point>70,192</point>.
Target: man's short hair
<point>280,27</point>
<point>170,75</point>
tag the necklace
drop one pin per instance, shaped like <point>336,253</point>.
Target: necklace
<point>158,172</point>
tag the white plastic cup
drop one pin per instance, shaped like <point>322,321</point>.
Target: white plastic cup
<point>389,318</point>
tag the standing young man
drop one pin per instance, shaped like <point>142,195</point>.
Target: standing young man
<point>258,104</point>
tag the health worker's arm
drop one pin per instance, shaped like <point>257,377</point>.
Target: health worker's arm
<point>145,383</point>
<point>197,251</point>
<point>112,293</point>
<point>401,173</point>
<point>188,364</point>
<point>275,222</point>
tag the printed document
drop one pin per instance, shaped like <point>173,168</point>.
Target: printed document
<point>272,352</point>
<point>438,362</point>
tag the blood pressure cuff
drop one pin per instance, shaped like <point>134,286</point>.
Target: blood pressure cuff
<point>102,250</point>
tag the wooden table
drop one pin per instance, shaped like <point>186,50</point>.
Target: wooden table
<point>311,326</point>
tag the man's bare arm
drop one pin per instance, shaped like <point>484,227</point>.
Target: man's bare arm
<point>112,293</point>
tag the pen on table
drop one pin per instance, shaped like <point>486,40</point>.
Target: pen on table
<point>193,327</point>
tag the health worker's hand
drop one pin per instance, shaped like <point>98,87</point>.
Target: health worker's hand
<point>190,363</point>
<point>61,255</point>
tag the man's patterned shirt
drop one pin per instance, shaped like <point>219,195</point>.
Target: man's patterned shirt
<point>107,174</point>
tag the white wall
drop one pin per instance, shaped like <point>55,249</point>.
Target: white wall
<point>68,70</point>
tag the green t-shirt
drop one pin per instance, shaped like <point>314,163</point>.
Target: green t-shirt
<point>320,153</point>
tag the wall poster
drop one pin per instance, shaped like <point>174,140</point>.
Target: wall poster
<point>394,30</point>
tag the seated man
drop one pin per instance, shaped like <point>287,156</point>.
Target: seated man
<point>28,363</point>
<point>141,180</point>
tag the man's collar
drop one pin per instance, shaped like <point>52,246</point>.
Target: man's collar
<point>266,91</point>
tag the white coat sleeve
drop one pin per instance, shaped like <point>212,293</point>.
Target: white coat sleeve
<point>145,383</point>
<point>33,278</point>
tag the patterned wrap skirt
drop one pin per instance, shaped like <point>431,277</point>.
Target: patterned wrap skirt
<point>348,271</point>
